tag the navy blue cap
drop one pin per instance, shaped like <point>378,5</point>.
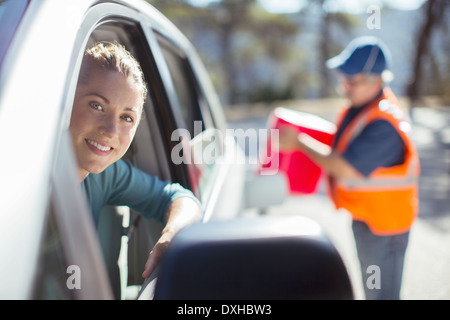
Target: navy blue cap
<point>362,55</point>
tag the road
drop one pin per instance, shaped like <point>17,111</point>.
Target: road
<point>427,262</point>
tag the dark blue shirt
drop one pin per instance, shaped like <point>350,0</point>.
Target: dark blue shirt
<point>378,144</point>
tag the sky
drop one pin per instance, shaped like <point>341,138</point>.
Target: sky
<point>350,6</point>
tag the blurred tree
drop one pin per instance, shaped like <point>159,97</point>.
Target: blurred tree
<point>327,46</point>
<point>227,18</point>
<point>181,13</point>
<point>241,32</point>
<point>266,53</point>
<point>433,13</point>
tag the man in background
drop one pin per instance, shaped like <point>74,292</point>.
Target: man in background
<point>372,166</point>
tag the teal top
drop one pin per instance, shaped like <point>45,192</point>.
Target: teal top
<point>122,184</point>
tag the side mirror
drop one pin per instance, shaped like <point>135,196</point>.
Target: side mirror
<point>253,258</point>
<point>262,191</point>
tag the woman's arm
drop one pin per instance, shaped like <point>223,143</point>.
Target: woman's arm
<point>180,213</point>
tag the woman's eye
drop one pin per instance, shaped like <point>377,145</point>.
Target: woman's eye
<point>127,118</point>
<point>95,106</point>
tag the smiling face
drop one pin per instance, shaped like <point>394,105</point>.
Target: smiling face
<point>105,115</point>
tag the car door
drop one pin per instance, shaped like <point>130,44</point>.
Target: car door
<point>180,98</point>
<point>63,238</point>
<point>50,236</point>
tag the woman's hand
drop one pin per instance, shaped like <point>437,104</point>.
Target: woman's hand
<point>155,256</point>
<point>181,213</point>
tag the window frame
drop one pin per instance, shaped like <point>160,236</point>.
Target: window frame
<point>182,66</point>
<point>10,24</point>
<point>162,115</point>
<point>69,205</point>
<point>203,177</point>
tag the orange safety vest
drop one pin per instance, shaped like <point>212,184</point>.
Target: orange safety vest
<point>387,200</point>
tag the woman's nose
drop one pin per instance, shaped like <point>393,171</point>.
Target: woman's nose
<point>108,127</point>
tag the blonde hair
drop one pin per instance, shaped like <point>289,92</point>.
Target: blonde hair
<point>112,56</point>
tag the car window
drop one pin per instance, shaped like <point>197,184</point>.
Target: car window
<point>205,142</point>
<point>149,151</point>
<point>69,264</point>
<point>184,87</point>
<point>129,35</point>
<point>51,277</point>
<point>11,11</point>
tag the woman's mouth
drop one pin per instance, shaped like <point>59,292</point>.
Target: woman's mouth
<point>98,148</point>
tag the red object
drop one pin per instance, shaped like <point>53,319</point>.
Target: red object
<point>303,174</point>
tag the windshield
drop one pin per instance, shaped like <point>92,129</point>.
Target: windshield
<point>11,11</point>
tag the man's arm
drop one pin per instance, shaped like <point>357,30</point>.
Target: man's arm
<point>180,213</point>
<point>321,154</point>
